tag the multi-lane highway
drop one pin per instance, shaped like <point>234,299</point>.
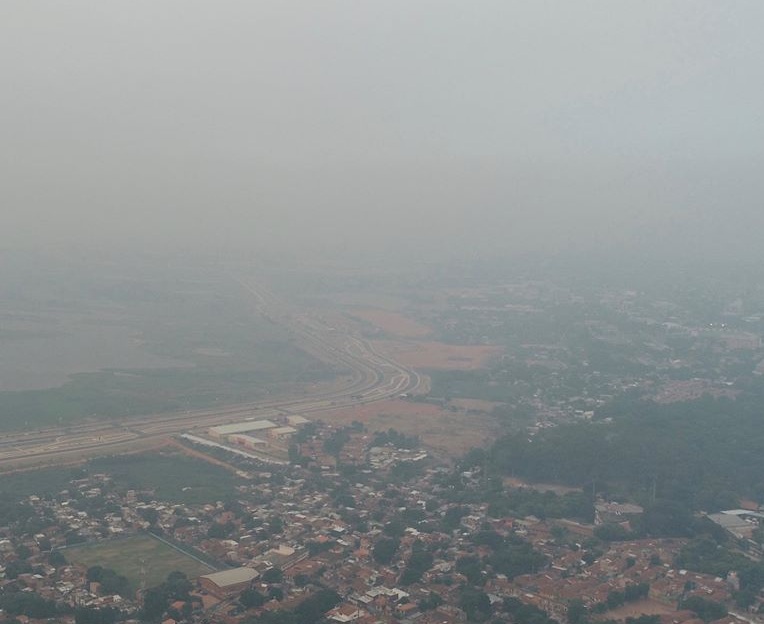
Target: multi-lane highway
<point>372,377</point>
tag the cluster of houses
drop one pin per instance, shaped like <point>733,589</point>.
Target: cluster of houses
<point>299,528</point>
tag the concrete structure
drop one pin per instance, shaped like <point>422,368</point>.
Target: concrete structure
<point>282,432</point>
<point>249,442</point>
<point>739,522</point>
<point>227,583</point>
<point>284,557</point>
<point>296,421</point>
<point>221,431</point>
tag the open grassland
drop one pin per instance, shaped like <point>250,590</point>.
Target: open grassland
<point>447,431</point>
<point>41,482</point>
<point>174,477</point>
<point>439,355</point>
<point>128,556</point>
<point>393,323</point>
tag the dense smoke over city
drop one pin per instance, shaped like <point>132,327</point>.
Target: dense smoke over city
<point>381,312</point>
<point>382,125</point>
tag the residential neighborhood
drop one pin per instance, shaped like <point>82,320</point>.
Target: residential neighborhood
<point>389,531</point>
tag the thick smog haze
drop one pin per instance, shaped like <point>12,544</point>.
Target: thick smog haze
<point>387,125</point>
<point>382,311</point>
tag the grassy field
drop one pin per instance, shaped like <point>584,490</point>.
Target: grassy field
<point>40,482</point>
<point>174,477</point>
<point>127,556</point>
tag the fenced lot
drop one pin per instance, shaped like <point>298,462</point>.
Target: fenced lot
<point>127,556</point>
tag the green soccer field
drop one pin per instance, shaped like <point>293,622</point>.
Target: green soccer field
<point>129,555</point>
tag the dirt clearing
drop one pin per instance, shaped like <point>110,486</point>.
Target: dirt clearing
<point>475,405</point>
<point>635,609</point>
<point>446,431</point>
<point>438,355</point>
<point>540,487</point>
<point>392,322</point>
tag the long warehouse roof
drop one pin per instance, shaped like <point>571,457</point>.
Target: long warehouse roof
<point>226,578</point>
<point>242,427</point>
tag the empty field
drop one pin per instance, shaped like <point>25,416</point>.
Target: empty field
<point>18,485</point>
<point>438,355</point>
<point>392,322</point>
<point>129,555</point>
<point>450,432</point>
<point>635,609</point>
<point>174,477</point>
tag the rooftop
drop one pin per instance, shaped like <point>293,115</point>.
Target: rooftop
<point>242,427</point>
<point>226,578</point>
<point>284,430</point>
<point>297,420</point>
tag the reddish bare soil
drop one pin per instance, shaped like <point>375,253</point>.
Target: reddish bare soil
<point>635,609</point>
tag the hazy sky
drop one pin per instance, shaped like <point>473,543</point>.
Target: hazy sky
<point>400,122</point>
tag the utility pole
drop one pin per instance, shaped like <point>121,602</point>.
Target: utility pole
<point>485,469</point>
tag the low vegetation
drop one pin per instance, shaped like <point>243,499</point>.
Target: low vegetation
<point>173,477</point>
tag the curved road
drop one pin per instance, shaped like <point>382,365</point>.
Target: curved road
<point>373,377</point>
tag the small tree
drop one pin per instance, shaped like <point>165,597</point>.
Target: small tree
<point>384,550</point>
<point>251,598</point>
<point>273,575</point>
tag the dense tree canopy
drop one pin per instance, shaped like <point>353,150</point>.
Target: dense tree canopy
<point>697,453</point>
<point>475,603</point>
<point>419,562</point>
<point>111,582</point>
<point>385,549</point>
<point>29,604</point>
<point>251,598</point>
<point>527,614</point>
<point>155,600</point>
<point>707,610</point>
